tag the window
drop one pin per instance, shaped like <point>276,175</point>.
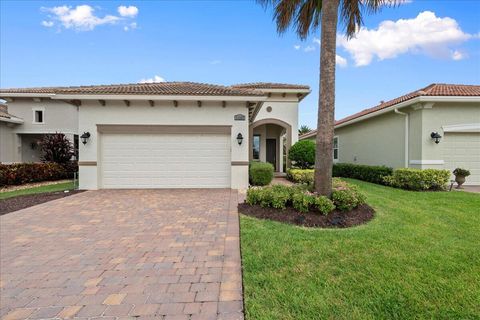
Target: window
<point>335,148</point>
<point>256,147</point>
<point>38,116</point>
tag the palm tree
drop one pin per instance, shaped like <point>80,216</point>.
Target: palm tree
<point>307,16</point>
<point>304,129</point>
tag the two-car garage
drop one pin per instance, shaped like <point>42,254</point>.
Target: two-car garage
<point>165,157</point>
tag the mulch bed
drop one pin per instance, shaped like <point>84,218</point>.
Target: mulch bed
<point>335,219</point>
<point>29,200</point>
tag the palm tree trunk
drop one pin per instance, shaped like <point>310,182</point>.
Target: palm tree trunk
<point>326,99</point>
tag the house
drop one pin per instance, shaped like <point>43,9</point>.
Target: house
<point>434,127</point>
<point>170,134</point>
<point>26,119</point>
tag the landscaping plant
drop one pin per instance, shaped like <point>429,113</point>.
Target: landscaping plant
<point>419,179</point>
<point>302,154</point>
<point>260,173</point>
<point>56,148</point>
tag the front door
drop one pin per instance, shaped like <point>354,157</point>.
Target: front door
<point>272,152</point>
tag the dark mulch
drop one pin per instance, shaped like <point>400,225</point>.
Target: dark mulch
<point>29,200</point>
<point>335,219</point>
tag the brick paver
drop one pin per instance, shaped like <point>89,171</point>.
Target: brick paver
<point>118,254</point>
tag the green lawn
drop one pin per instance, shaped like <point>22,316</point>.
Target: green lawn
<point>49,188</point>
<point>418,259</point>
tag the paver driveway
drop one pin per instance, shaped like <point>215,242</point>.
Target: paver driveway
<point>171,254</point>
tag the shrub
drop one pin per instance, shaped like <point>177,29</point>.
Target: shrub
<point>302,154</point>
<point>260,173</point>
<point>302,201</point>
<point>345,197</point>
<point>461,172</point>
<point>21,173</point>
<point>56,148</point>
<point>374,174</point>
<point>418,179</point>
<point>301,175</point>
<point>323,205</point>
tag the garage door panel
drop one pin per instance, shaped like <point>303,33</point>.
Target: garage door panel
<point>463,150</point>
<point>165,160</point>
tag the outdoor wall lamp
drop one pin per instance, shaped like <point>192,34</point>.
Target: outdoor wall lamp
<point>85,136</point>
<point>436,136</point>
<point>239,139</point>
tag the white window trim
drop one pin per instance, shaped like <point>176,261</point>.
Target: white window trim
<point>338,149</point>
<point>43,115</point>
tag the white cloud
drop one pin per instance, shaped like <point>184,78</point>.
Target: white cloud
<point>458,55</point>
<point>309,48</point>
<point>130,11</point>
<point>341,61</point>
<point>152,80</point>
<point>425,34</point>
<point>81,18</point>
<point>131,26</point>
<point>296,47</point>
<point>47,24</point>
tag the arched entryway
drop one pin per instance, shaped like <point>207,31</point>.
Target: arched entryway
<point>270,140</point>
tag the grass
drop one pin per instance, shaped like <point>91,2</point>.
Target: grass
<point>418,259</point>
<point>42,189</point>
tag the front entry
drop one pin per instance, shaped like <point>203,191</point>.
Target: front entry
<point>272,152</point>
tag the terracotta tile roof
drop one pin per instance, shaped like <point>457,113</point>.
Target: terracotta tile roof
<point>160,88</point>
<point>269,85</point>
<point>435,89</point>
<point>4,112</point>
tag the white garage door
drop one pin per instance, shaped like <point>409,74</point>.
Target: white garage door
<point>165,160</point>
<point>462,150</point>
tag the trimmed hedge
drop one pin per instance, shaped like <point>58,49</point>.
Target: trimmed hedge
<point>419,179</point>
<point>346,196</point>
<point>374,174</point>
<point>300,175</point>
<point>260,173</point>
<point>21,173</point>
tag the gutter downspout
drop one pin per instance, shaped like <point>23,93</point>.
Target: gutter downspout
<point>406,134</point>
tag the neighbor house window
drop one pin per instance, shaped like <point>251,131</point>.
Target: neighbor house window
<point>38,116</point>
<point>335,148</point>
<point>256,147</point>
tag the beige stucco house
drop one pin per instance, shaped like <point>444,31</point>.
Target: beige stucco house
<point>25,120</point>
<point>398,133</point>
<point>171,134</point>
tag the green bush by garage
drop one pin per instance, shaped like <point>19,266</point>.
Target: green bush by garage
<point>260,173</point>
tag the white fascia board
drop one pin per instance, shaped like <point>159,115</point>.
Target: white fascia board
<point>25,95</point>
<point>448,99</point>
<point>156,97</point>
<point>12,120</point>
<point>465,127</point>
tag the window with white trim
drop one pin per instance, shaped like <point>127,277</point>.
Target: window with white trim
<point>38,116</point>
<point>335,148</point>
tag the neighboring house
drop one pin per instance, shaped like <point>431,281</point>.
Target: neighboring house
<point>25,120</point>
<point>398,133</point>
<point>173,134</point>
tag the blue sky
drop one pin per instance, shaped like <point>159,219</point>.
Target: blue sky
<point>46,43</point>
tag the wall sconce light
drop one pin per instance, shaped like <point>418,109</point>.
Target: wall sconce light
<point>436,136</point>
<point>239,139</point>
<point>85,136</point>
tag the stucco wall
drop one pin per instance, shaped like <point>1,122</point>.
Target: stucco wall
<point>59,116</point>
<point>163,113</point>
<point>284,109</point>
<point>376,141</point>
<point>444,114</point>
<point>9,143</point>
